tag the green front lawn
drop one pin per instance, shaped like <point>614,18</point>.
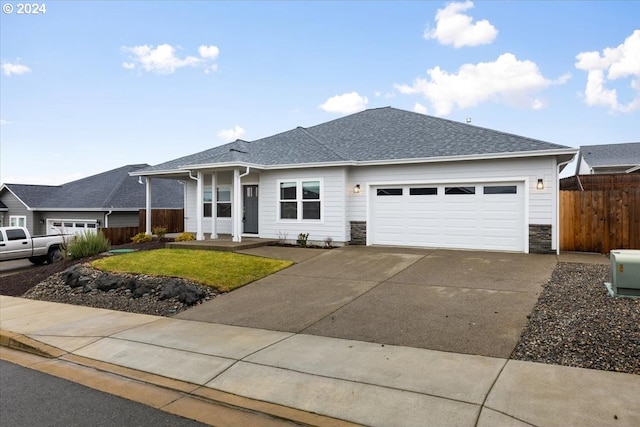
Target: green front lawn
<point>224,271</point>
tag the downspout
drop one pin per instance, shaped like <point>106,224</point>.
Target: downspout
<point>106,218</point>
<point>558,204</point>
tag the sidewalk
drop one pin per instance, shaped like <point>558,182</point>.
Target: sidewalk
<point>232,375</point>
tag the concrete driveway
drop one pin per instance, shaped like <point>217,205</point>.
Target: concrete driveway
<point>457,301</point>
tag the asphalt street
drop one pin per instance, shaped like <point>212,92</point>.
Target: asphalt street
<point>31,398</point>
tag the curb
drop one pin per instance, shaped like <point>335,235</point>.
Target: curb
<point>192,401</point>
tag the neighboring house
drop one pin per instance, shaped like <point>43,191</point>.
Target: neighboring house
<point>109,199</point>
<point>608,158</point>
<point>379,177</point>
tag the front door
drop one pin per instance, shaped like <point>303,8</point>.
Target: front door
<point>250,208</point>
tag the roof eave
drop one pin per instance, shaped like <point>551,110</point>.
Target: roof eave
<point>16,196</point>
<point>564,152</point>
<point>225,165</point>
<point>568,153</point>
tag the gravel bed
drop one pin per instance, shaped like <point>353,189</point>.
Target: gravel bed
<point>577,323</point>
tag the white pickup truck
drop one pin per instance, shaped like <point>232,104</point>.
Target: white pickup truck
<point>17,243</point>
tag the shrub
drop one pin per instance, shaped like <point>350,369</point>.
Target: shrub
<point>185,237</point>
<point>141,238</point>
<point>160,232</point>
<point>302,239</point>
<point>87,244</point>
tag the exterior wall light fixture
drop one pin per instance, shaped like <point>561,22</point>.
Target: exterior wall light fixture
<point>356,189</point>
<point>540,184</point>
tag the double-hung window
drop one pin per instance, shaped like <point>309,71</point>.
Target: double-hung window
<point>223,202</point>
<point>17,221</point>
<point>300,200</point>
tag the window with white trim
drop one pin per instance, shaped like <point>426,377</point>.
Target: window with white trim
<point>223,202</point>
<point>17,221</point>
<point>300,200</point>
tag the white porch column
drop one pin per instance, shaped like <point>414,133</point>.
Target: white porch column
<point>199,206</point>
<point>236,210</point>
<point>214,206</point>
<point>148,205</point>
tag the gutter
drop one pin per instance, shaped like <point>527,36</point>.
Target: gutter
<point>490,156</point>
<point>106,218</point>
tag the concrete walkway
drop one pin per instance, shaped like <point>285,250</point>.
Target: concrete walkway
<point>229,375</point>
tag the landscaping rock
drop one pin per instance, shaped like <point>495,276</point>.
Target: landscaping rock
<point>83,285</point>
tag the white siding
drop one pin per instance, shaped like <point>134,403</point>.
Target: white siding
<point>341,205</point>
<point>541,204</point>
<point>223,225</point>
<point>333,223</point>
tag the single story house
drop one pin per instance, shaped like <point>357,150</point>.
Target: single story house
<point>382,176</point>
<point>608,158</point>
<point>109,199</point>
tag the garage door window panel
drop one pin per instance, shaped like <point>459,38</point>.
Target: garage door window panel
<point>389,192</point>
<point>423,191</point>
<point>460,190</point>
<point>500,189</point>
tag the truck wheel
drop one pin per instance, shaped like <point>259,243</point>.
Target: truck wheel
<point>54,256</point>
<point>37,260</point>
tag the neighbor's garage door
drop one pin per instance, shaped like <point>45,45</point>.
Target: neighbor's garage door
<point>469,216</point>
<point>71,226</point>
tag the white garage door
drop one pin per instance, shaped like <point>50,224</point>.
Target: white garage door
<point>71,226</point>
<point>465,216</point>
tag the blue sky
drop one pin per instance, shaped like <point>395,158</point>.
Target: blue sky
<point>88,86</point>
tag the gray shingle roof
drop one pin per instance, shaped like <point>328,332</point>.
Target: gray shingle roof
<point>379,134</point>
<point>627,154</point>
<point>114,189</point>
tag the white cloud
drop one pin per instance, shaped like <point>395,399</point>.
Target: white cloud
<point>419,108</point>
<point>231,134</point>
<point>506,80</point>
<point>162,59</point>
<point>14,69</point>
<point>3,122</point>
<point>614,63</point>
<point>209,52</point>
<point>346,103</point>
<point>455,28</point>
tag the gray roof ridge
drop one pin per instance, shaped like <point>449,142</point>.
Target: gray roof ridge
<point>116,188</point>
<point>319,141</point>
<point>478,127</point>
<point>9,184</point>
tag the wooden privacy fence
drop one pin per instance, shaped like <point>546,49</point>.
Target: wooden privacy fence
<point>607,181</point>
<point>120,235</point>
<point>598,221</point>
<point>171,219</point>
